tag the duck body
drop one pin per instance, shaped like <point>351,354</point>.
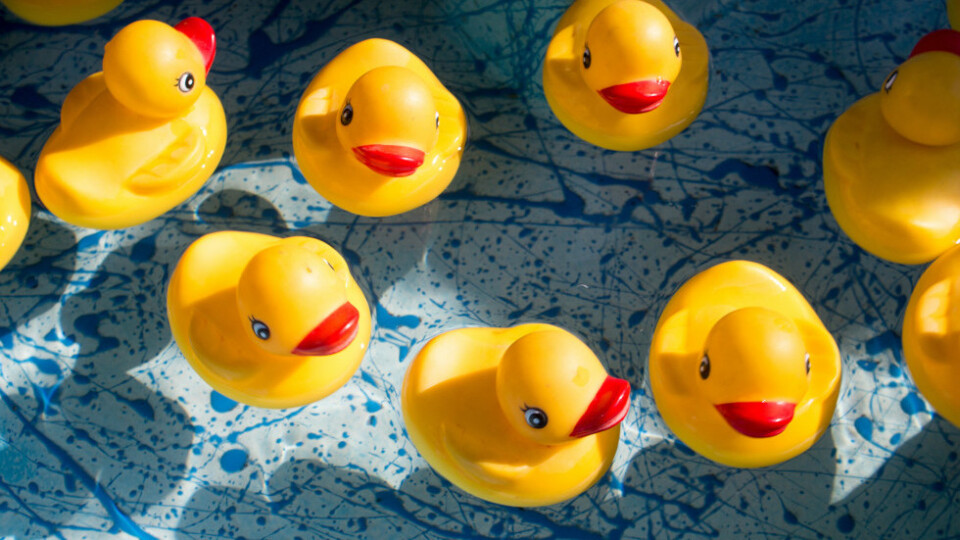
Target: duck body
<point>741,368</point>
<point>266,321</point>
<point>625,74</point>
<point>523,416</point>
<point>376,133</point>
<point>931,335</point>
<point>890,169</point>
<point>121,157</point>
<point>59,12</point>
<point>14,211</point>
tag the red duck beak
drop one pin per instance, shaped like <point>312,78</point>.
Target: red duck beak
<point>758,419</point>
<point>608,408</point>
<point>201,34</point>
<point>389,159</point>
<point>333,334</point>
<point>939,40</point>
<point>636,97</point>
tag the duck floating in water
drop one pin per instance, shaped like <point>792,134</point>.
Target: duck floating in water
<point>141,136</point>
<point>931,335</point>
<point>59,12</point>
<point>266,321</point>
<point>14,210</point>
<point>376,133</point>
<point>523,416</point>
<point>891,162</point>
<point>741,368</point>
<point>625,74</point>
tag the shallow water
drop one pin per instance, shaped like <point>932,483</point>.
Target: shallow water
<point>105,428</point>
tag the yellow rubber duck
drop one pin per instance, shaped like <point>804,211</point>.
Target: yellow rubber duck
<point>625,74</point>
<point>141,136</point>
<point>931,335</point>
<point>266,321</point>
<point>741,368</point>
<point>376,133</point>
<point>891,162</point>
<point>59,12</point>
<point>523,416</point>
<point>14,210</point>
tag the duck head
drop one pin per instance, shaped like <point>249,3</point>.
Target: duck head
<point>553,389</point>
<point>937,325</point>
<point>754,370</point>
<point>921,98</point>
<point>293,301</point>
<point>158,70</point>
<point>631,56</point>
<point>389,121</point>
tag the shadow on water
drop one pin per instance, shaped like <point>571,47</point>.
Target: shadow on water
<point>108,435</point>
<point>308,497</point>
<point>914,494</point>
<point>37,275</point>
<point>670,490</point>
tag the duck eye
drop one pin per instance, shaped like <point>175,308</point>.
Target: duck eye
<point>260,328</point>
<point>676,45</point>
<point>807,362</point>
<point>536,418</point>
<point>346,116</point>
<point>705,367</point>
<point>586,57</point>
<point>185,82</point>
<point>888,84</point>
<point>438,119</point>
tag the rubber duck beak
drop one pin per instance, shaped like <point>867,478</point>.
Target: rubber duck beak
<point>201,34</point>
<point>608,408</point>
<point>390,160</point>
<point>758,419</point>
<point>636,97</point>
<point>333,334</point>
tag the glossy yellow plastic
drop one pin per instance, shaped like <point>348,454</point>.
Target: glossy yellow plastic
<point>59,12</point>
<point>931,335</point>
<point>891,162</point>
<point>393,99</point>
<point>14,210</point>
<point>628,41</point>
<point>133,141</point>
<point>466,401</point>
<point>241,303</point>
<point>753,331</point>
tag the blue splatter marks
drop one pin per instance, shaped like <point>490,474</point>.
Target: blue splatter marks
<point>913,403</point>
<point>845,524</point>
<point>389,321</point>
<point>537,223</point>
<point>233,460</point>
<point>50,367</point>
<point>221,403</point>
<point>887,341</point>
<point>867,365</point>
<point>144,250</point>
<point>864,427</point>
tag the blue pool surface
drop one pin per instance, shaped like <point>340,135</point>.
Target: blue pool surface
<point>105,430</point>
